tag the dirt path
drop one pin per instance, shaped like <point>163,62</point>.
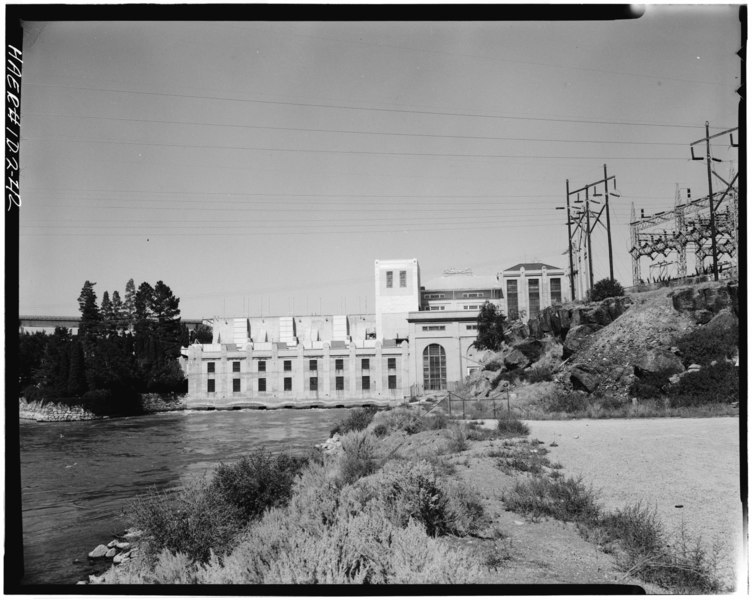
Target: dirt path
<point>688,469</point>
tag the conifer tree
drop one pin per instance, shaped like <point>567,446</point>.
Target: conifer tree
<point>117,312</point>
<point>490,327</point>
<point>91,318</point>
<point>129,303</point>
<point>76,369</point>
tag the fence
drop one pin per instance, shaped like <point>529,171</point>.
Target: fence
<point>460,407</point>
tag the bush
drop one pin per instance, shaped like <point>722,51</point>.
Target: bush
<point>716,384</point>
<point>410,490</point>
<point>568,401</point>
<point>380,430</point>
<point>436,421</point>
<point>510,425</point>
<point>357,459</point>
<point>256,482</point>
<point>650,385</point>
<point>605,288</point>
<point>539,373</point>
<point>563,499</point>
<point>194,521</point>
<point>706,344</point>
<point>357,420</point>
<point>404,419</point>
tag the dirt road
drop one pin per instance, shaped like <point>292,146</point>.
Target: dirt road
<point>688,469</point>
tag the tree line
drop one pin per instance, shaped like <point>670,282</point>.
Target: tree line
<point>124,347</point>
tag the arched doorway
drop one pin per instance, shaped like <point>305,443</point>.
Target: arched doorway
<point>434,367</point>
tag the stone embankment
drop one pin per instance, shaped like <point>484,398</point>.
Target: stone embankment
<point>53,412</point>
<point>153,403</point>
<point>120,550</point>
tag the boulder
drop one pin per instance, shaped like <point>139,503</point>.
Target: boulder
<point>584,378</point>
<point>516,360</point>
<point>480,388</point>
<point>99,552</point>
<point>710,298</point>
<point>535,329</point>
<point>576,338</point>
<point>532,349</point>
<point>517,332</point>
<point>658,361</point>
<point>123,546</point>
<point>111,552</point>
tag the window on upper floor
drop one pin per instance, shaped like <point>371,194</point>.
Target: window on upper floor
<point>389,279</point>
<point>403,279</point>
<point>236,366</point>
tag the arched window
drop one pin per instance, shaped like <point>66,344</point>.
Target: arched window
<point>434,367</point>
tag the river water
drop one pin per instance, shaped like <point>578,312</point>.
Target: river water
<point>77,478</point>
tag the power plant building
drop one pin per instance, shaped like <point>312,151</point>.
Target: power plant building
<point>419,338</point>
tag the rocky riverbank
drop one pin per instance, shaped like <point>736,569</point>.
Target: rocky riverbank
<point>118,551</point>
<point>53,412</point>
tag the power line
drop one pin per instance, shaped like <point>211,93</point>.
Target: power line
<point>353,152</point>
<point>360,108</point>
<point>357,132</point>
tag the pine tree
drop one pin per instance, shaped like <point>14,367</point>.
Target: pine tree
<point>91,318</point>
<point>118,316</point>
<point>129,303</point>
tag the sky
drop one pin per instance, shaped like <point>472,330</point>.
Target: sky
<point>259,168</point>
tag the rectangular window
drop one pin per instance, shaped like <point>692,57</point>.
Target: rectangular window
<point>365,364</point>
<point>262,366</point>
<point>555,290</point>
<point>288,365</point>
<point>312,365</point>
<point>339,364</point>
<point>236,385</point>
<point>437,308</point>
<point>339,383</point>
<point>366,382</point>
<point>403,278</point>
<point>288,384</point>
<point>210,367</point>
<point>313,383</point>
<point>392,382</point>
<point>262,384</point>
<point>513,307</point>
<point>434,327</point>
<point>236,366</point>
<point>533,288</point>
<point>389,279</point>
<point>471,327</point>
<point>210,386</point>
<point>391,363</point>
<point>434,296</point>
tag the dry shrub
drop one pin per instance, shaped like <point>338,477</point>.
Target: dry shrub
<point>357,458</point>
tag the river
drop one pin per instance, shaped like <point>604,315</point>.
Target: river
<point>77,478</point>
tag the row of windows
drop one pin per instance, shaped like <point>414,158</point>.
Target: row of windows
<point>339,365</point>
<point>402,279</point>
<point>313,384</point>
<point>533,286</point>
<point>434,327</point>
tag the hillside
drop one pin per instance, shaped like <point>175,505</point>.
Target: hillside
<point>609,348</point>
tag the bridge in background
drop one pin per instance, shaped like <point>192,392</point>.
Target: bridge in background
<point>47,323</point>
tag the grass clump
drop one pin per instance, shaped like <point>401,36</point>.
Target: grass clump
<point>357,420</point>
<point>563,499</point>
<point>539,373</point>
<point>509,425</point>
<point>404,419</point>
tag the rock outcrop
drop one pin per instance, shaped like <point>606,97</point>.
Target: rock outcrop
<point>658,361</point>
<point>705,301</point>
<point>53,412</point>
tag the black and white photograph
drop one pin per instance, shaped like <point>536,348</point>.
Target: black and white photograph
<point>434,299</point>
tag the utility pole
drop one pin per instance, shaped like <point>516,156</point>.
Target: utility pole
<point>569,243</point>
<point>590,226</point>
<point>608,226</point>
<point>708,158</point>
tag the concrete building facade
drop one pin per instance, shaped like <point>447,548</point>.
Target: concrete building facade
<point>419,339</point>
<point>531,287</point>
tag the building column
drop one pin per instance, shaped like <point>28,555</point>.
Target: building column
<point>404,370</point>
<point>379,369</point>
<point>325,383</point>
<point>300,375</point>
<point>353,371</point>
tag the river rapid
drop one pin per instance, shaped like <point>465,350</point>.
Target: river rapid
<point>77,478</point>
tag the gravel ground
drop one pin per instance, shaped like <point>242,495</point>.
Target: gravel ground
<point>688,469</point>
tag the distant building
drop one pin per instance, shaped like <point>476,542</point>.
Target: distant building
<point>419,338</point>
<point>530,287</point>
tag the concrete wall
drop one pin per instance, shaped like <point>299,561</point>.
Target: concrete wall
<point>269,364</point>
